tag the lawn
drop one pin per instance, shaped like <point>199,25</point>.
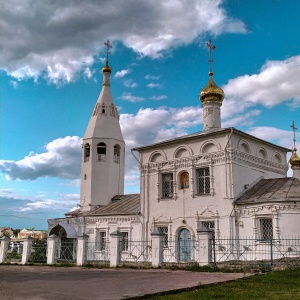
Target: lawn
<point>283,284</point>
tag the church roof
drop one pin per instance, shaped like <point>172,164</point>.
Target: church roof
<point>272,190</point>
<point>208,133</point>
<point>121,205</point>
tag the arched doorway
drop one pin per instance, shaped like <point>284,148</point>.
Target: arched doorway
<point>184,245</point>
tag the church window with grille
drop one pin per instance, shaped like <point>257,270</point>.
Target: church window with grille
<point>209,225</point>
<point>87,152</point>
<point>102,240</point>
<point>101,152</point>
<point>266,228</point>
<point>124,242</point>
<point>167,185</point>
<point>203,180</point>
<point>164,230</point>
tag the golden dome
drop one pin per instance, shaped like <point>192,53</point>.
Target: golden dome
<point>106,68</point>
<point>211,93</point>
<point>295,159</point>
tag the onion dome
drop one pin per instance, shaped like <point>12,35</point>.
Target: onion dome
<point>106,68</point>
<point>295,159</point>
<point>211,93</point>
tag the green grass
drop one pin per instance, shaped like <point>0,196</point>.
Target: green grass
<point>283,285</point>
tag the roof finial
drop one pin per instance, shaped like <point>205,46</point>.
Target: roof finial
<point>294,130</point>
<point>211,49</point>
<point>108,47</point>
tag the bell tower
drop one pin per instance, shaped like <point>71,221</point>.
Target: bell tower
<point>102,166</point>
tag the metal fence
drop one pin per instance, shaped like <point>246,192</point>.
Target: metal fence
<point>14,253</point>
<point>135,252</point>
<point>180,252</point>
<point>253,253</point>
<point>98,253</point>
<point>66,251</point>
<point>38,252</point>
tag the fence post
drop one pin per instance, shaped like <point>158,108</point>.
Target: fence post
<point>205,248</point>
<point>81,249</point>
<point>27,245</point>
<point>52,241</point>
<point>4,242</point>
<point>115,254</point>
<point>157,248</point>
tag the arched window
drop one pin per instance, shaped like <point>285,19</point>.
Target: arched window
<point>117,149</point>
<point>101,152</point>
<point>87,152</point>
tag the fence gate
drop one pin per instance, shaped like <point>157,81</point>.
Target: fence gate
<point>67,250</point>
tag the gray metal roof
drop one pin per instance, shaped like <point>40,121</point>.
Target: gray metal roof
<point>272,190</point>
<point>208,133</point>
<point>121,205</point>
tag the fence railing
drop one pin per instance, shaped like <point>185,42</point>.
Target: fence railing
<point>14,252</point>
<point>180,252</point>
<point>135,252</point>
<point>38,252</point>
<point>66,250</point>
<point>97,253</point>
<point>252,252</point>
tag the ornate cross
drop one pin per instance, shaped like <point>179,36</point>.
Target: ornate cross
<point>211,49</point>
<point>294,130</point>
<point>108,46</point>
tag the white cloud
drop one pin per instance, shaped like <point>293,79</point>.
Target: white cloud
<point>153,85</point>
<point>61,159</point>
<point>129,97</point>
<point>277,82</point>
<point>130,83</point>
<point>58,39</point>
<point>151,77</point>
<point>122,73</point>
<point>160,97</point>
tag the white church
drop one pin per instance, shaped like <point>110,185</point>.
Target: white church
<point>221,179</point>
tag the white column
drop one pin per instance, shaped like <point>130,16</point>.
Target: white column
<point>52,241</point>
<point>81,244</point>
<point>296,172</point>
<point>115,253</point>
<point>4,243</point>
<point>157,249</point>
<point>27,245</point>
<point>204,244</point>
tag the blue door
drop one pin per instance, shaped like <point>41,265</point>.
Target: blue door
<point>184,245</point>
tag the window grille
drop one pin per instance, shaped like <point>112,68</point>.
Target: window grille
<point>209,225</point>
<point>117,151</point>
<point>164,230</point>
<point>124,241</point>
<point>266,229</point>
<point>101,152</point>
<point>102,240</point>
<point>167,185</point>
<point>203,181</point>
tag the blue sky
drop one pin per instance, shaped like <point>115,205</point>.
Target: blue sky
<point>51,55</point>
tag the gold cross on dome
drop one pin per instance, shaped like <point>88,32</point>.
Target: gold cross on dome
<point>108,46</point>
<point>294,131</point>
<point>211,49</point>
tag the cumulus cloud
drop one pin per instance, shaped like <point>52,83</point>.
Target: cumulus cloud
<point>151,77</point>
<point>129,97</point>
<point>152,85</point>
<point>160,97</point>
<point>58,39</point>
<point>276,82</point>
<point>130,83</point>
<point>61,159</point>
<point>122,73</point>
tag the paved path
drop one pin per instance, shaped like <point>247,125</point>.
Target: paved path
<point>39,283</point>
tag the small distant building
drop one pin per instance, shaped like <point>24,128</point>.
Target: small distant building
<point>6,231</point>
<point>35,234</point>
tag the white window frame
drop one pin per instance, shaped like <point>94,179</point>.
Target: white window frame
<point>171,185</point>
<point>206,178</point>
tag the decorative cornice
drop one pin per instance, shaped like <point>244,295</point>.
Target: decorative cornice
<point>251,211</point>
